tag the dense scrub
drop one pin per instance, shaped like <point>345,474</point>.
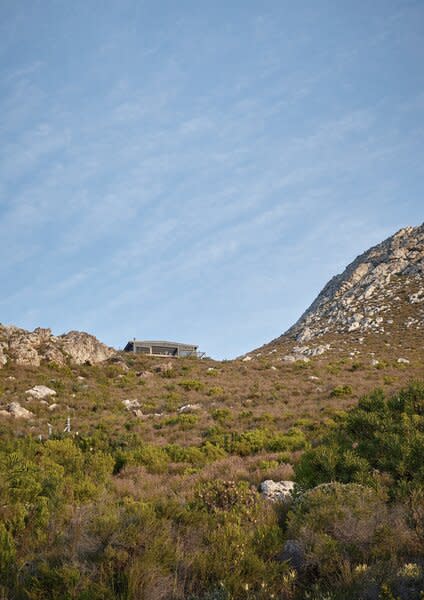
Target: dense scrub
<point>95,516</point>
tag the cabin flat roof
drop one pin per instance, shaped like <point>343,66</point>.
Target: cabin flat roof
<point>162,343</point>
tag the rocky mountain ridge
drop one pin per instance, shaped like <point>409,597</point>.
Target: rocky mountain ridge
<point>30,348</point>
<point>381,293</point>
<point>364,296</point>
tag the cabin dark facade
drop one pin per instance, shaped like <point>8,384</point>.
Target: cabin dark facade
<point>162,348</point>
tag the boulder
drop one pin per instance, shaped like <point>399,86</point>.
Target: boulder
<point>276,491</point>
<point>130,404</point>
<point>188,408</point>
<point>40,392</point>
<point>145,374</point>
<point>164,367</point>
<point>17,411</point>
<point>84,348</point>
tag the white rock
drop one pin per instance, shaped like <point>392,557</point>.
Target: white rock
<point>187,408</point>
<point>295,358</point>
<point>17,411</point>
<point>246,358</point>
<point>403,361</point>
<point>276,491</point>
<point>39,392</point>
<point>53,406</point>
<point>131,404</point>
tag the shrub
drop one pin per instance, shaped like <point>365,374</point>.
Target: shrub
<point>341,390</point>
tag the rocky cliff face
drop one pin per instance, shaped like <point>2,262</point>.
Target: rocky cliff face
<point>379,296</point>
<point>30,348</point>
<point>367,295</point>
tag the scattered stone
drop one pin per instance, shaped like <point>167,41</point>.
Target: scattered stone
<point>295,358</point>
<point>131,404</point>
<point>145,374</point>
<point>403,361</point>
<point>276,491</point>
<point>164,368</point>
<point>374,362</point>
<point>313,378</point>
<point>18,412</point>
<point>187,408</point>
<point>39,392</point>
<point>308,351</point>
<point>53,406</point>
<point>246,358</point>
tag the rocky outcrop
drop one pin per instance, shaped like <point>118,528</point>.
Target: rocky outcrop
<point>30,348</point>
<point>84,348</point>
<point>364,297</point>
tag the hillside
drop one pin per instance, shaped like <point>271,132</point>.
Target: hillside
<point>153,492</point>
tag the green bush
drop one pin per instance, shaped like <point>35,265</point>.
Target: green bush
<point>341,390</point>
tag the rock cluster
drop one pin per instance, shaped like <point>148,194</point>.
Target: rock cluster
<point>30,348</point>
<point>364,297</point>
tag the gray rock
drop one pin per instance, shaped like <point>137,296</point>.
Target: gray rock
<point>276,491</point>
<point>188,408</point>
<point>18,412</point>
<point>40,392</point>
<point>294,553</point>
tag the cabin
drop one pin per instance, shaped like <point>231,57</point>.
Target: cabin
<point>162,348</point>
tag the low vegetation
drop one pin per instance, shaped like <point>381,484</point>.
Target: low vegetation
<point>166,506</point>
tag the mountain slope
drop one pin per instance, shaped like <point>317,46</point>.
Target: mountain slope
<point>380,293</point>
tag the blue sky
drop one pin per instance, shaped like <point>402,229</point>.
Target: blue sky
<point>198,170</point>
